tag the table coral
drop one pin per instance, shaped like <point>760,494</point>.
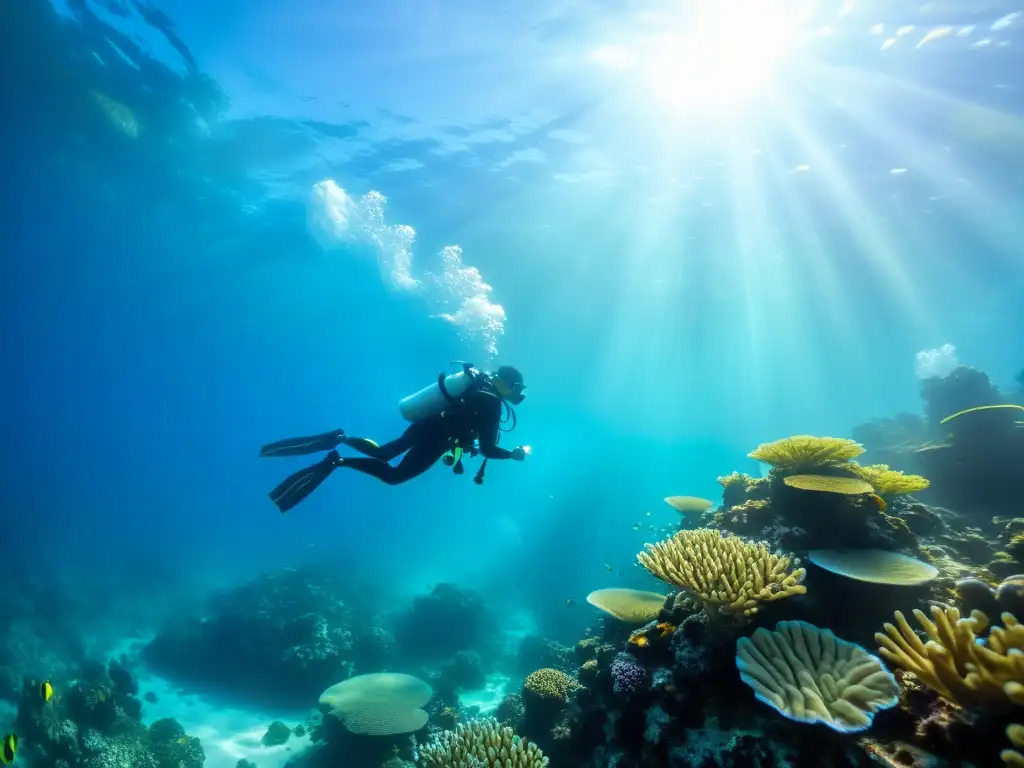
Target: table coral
<point>807,452</point>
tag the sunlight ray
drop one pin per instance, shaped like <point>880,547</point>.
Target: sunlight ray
<point>870,238</point>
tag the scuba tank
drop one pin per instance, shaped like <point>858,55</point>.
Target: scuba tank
<point>440,394</point>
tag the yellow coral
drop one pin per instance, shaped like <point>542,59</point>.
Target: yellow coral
<point>734,478</point>
<point>482,743</point>
<point>807,452</point>
<point>889,482</point>
<point>550,684</point>
<point>1015,733</point>
<point>847,486</point>
<point>952,663</point>
<point>726,573</point>
<point>958,667</point>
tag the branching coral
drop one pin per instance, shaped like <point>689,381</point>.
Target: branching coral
<point>480,744</point>
<point>726,573</point>
<point>809,675</point>
<point>952,662</point>
<point>958,666</point>
<point>889,482</point>
<point>804,452</point>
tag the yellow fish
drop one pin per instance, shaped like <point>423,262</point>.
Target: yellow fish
<point>9,749</point>
<point>45,690</point>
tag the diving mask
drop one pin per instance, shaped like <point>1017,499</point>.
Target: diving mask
<point>514,394</point>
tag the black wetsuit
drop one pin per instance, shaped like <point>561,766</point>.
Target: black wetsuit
<point>424,442</point>
<point>476,417</point>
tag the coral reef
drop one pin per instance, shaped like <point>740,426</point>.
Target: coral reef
<point>94,721</point>
<point>280,637</point>
<point>967,450</point>
<point>448,620</point>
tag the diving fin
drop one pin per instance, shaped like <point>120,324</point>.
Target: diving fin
<point>298,486</point>
<point>301,446</point>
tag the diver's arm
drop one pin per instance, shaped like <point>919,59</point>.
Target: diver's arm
<point>489,414</point>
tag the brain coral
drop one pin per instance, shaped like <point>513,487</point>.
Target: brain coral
<point>810,675</point>
<point>480,744</point>
<point>380,704</point>
<point>549,684</point>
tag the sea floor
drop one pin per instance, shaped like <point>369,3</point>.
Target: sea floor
<point>228,734</point>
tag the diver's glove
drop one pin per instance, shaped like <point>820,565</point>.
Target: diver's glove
<point>519,453</point>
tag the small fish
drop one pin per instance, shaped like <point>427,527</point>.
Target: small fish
<point>879,502</point>
<point>183,741</point>
<point>570,601</point>
<point>636,526</point>
<point>45,690</point>
<point>101,695</point>
<point>648,514</point>
<point>9,749</point>
<point>608,568</point>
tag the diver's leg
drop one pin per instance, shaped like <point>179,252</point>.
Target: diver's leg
<point>299,485</point>
<point>419,458</point>
<point>389,450</point>
<point>301,446</point>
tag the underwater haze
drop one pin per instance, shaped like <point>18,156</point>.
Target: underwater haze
<point>693,227</point>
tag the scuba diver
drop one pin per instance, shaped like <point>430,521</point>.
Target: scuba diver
<point>459,413</point>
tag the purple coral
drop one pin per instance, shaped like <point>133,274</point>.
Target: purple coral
<point>628,676</point>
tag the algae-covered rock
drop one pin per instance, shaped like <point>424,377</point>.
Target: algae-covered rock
<point>172,747</point>
<point>277,733</point>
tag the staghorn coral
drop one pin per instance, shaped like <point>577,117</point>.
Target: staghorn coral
<point>807,452</point>
<point>953,663</point>
<point>725,573</point>
<point>809,675</point>
<point>549,684</point>
<point>889,482</point>
<point>480,744</point>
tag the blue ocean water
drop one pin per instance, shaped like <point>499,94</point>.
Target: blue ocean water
<point>228,223</point>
